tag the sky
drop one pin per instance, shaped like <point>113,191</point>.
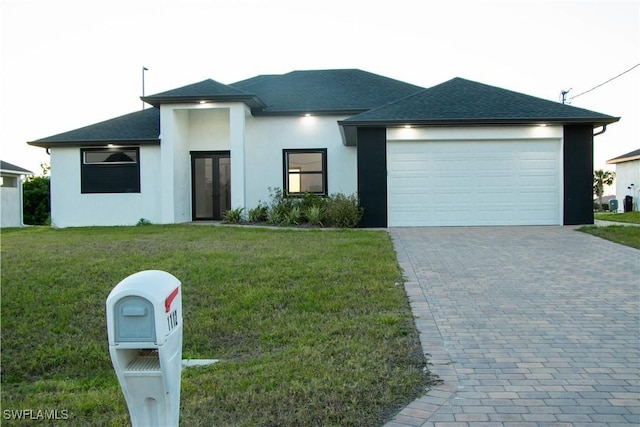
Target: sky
<point>65,64</point>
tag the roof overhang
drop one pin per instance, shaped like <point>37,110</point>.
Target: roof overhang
<point>348,128</point>
<point>251,100</point>
<point>95,143</point>
<point>302,113</point>
<point>15,173</point>
<point>623,159</point>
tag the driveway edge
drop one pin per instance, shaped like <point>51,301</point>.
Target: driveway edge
<point>433,347</point>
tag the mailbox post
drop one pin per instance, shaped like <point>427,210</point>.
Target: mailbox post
<point>144,326</point>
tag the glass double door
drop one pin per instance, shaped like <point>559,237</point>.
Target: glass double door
<point>210,184</point>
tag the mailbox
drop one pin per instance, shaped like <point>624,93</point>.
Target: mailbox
<point>144,327</point>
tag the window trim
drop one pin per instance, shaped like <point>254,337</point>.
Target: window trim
<point>286,175</point>
<point>85,151</point>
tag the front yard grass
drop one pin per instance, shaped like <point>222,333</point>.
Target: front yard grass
<point>311,325</point>
<point>628,235</point>
<point>630,217</point>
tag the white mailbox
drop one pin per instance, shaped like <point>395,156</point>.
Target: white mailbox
<point>144,325</point>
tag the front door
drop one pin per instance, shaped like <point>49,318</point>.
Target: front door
<point>210,184</point>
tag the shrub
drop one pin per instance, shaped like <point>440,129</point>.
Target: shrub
<point>310,200</point>
<point>314,215</point>
<point>338,210</point>
<point>259,213</point>
<point>280,201</point>
<point>233,216</point>
<point>274,216</point>
<point>36,199</point>
<point>294,216</point>
<point>143,221</point>
<point>343,211</point>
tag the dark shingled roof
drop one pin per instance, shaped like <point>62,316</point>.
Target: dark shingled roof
<point>141,127</point>
<point>460,101</point>
<point>373,100</point>
<point>632,155</point>
<point>348,91</point>
<point>206,90</point>
<point>8,167</point>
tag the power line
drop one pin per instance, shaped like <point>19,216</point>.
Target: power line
<point>602,84</point>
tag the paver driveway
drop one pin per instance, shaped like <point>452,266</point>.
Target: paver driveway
<point>524,325</point>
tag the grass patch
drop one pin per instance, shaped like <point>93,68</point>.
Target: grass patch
<point>623,234</point>
<point>309,324</point>
<point>629,217</point>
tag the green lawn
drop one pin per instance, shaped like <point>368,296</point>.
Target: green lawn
<point>631,217</point>
<point>310,324</point>
<point>625,235</point>
<point>628,235</point>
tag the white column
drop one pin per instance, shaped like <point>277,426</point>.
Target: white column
<point>236,142</point>
<point>167,164</point>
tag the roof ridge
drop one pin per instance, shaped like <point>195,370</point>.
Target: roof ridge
<point>461,99</point>
<point>181,89</point>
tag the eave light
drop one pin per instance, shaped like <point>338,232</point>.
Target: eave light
<point>308,120</point>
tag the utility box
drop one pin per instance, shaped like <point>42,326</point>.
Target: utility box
<point>613,205</point>
<point>144,326</point>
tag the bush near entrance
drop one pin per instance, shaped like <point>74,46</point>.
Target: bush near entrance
<point>337,210</point>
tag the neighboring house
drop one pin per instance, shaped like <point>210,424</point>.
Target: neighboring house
<point>459,153</point>
<point>11,194</point>
<point>627,177</point>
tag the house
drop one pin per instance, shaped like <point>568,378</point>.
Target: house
<point>627,177</point>
<point>11,194</point>
<point>459,153</point>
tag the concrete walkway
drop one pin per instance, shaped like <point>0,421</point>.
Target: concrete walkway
<point>526,326</point>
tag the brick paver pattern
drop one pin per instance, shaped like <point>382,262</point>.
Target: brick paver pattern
<point>525,326</point>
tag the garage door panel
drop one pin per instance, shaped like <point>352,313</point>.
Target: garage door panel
<point>473,182</point>
<point>537,181</point>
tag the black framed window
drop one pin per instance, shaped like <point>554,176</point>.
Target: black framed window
<point>305,171</point>
<point>110,170</point>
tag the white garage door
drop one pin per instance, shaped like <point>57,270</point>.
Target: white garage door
<point>474,183</point>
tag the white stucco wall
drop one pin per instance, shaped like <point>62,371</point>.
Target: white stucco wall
<point>11,204</point>
<point>266,138</point>
<point>628,173</point>
<point>200,127</point>
<point>71,208</point>
<point>255,144</point>
<point>209,129</point>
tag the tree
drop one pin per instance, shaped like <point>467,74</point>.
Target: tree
<point>601,178</point>
<point>36,196</point>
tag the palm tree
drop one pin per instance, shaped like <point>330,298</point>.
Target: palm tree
<point>600,179</point>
